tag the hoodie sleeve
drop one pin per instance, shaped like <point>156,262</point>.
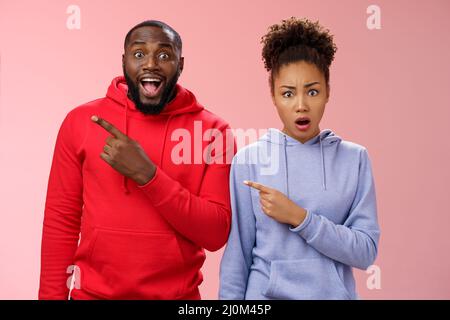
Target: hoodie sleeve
<point>204,218</point>
<point>62,215</point>
<point>355,242</point>
<point>237,257</point>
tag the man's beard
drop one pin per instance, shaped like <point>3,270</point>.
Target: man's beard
<point>169,90</point>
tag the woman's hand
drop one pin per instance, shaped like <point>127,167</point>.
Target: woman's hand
<point>277,206</point>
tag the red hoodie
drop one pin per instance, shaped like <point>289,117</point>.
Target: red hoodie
<point>136,242</point>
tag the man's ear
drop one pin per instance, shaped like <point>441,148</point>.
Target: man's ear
<point>181,64</point>
<point>123,61</point>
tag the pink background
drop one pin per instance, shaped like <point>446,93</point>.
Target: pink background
<point>390,92</point>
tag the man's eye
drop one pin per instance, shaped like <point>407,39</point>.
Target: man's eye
<point>163,56</point>
<point>313,92</point>
<point>287,94</point>
<point>138,54</point>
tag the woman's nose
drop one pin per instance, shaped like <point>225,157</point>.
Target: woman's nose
<point>302,106</point>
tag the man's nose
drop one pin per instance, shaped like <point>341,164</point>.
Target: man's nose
<point>151,63</point>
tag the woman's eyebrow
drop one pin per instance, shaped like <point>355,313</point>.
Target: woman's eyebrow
<point>307,85</point>
<point>288,87</point>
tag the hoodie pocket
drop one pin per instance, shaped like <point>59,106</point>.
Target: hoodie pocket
<point>305,279</point>
<point>134,265</point>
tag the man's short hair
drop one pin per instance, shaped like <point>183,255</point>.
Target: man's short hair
<point>155,23</point>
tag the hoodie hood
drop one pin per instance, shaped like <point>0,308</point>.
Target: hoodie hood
<point>325,138</point>
<point>184,102</point>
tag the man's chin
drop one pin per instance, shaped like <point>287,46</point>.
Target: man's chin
<point>144,100</point>
<point>148,106</point>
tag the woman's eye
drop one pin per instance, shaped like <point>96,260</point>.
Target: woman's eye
<point>287,94</point>
<point>138,54</point>
<point>313,92</point>
<point>163,56</point>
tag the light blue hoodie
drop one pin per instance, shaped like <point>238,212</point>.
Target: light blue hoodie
<point>331,179</point>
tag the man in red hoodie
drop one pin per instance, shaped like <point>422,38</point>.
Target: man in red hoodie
<point>122,210</point>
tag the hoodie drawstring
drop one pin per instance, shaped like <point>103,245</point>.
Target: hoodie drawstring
<point>184,102</point>
<point>286,166</point>
<point>125,182</point>
<point>324,182</point>
<point>164,141</point>
<point>322,158</point>
<point>125,179</point>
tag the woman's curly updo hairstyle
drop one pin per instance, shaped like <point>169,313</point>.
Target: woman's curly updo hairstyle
<point>295,40</point>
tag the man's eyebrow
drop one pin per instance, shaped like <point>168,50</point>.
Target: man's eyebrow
<point>137,42</point>
<point>166,45</point>
<point>161,44</point>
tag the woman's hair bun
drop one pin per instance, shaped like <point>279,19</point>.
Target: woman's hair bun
<point>297,33</point>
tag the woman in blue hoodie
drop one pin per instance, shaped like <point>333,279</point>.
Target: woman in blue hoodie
<point>303,200</point>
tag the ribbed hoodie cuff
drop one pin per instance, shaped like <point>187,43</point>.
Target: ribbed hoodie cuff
<point>304,224</point>
<point>152,180</point>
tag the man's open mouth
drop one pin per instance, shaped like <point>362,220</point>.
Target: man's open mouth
<point>151,86</point>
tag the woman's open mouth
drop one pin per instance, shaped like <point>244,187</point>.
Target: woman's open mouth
<point>151,87</point>
<point>303,123</point>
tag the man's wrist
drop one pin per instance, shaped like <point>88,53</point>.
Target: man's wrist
<point>145,177</point>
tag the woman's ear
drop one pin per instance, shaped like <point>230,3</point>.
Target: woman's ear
<point>328,92</point>
<point>272,93</point>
